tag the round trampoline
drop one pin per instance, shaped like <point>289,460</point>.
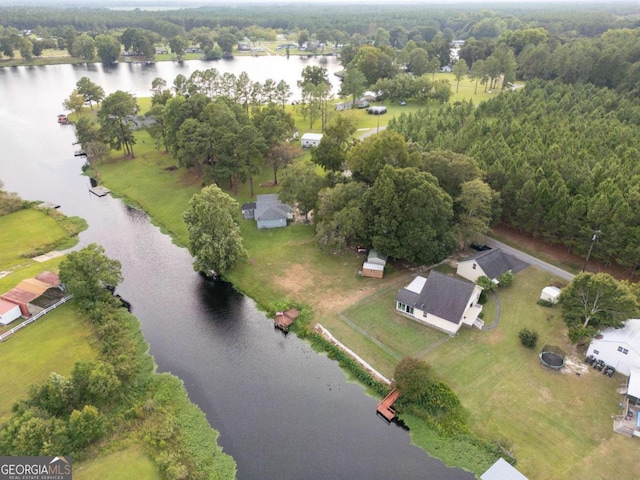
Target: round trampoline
<point>552,357</point>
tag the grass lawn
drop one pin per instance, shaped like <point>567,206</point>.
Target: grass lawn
<point>52,344</point>
<point>550,421</point>
<point>25,232</point>
<point>120,465</point>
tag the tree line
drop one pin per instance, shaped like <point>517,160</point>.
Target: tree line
<point>563,157</point>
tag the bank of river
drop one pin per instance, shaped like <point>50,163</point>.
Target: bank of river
<point>283,411</point>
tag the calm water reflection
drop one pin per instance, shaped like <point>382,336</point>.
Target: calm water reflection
<point>284,412</point>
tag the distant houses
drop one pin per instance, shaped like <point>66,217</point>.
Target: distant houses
<point>441,301</point>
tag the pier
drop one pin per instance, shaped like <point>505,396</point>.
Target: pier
<point>385,407</point>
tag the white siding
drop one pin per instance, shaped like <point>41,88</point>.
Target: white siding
<point>9,314</point>
<point>466,270</point>
<point>608,352</point>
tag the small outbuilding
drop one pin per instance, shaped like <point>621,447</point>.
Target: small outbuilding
<point>21,298</point>
<point>309,140</point>
<point>374,266</point>
<point>550,294</point>
<point>9,311</point>
<point>249,210</point>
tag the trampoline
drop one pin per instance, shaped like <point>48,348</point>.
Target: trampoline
<point>552,357</point>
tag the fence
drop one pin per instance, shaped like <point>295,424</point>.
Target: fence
<point>35,317</point>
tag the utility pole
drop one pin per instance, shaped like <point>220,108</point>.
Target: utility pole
<point>378,129</point>
<point>593,241</point>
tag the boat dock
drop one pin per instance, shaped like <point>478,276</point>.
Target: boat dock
<point>99,191</point>
<point>284,320</point>
<point>385,407</point>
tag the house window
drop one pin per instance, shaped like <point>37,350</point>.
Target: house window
<point>619,349</point>
<point>474,266</point>
<point>424,314</point>
<point>625,351</point>
<point>405,308</point>
<point>596,352</point>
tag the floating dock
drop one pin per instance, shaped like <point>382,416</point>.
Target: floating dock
<point>99,191</point>
<point>385,407</point>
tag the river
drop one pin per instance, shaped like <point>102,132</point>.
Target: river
<point>283,411</point>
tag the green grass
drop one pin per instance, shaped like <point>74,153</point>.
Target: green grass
<point>24,233</point>
<point>120,465</point>
<point>52,344</point>
<point>541,416</point>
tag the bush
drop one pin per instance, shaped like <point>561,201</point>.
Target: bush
<point>581,335</point>
<point>528,338</point>
<point>486,284</point>
<point>506,279</point>
<point>545,303</point>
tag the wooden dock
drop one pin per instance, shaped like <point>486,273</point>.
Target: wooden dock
<point>284,320</point>
<point>385,407</point>
<point>99,191</point>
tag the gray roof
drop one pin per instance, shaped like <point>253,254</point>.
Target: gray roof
<point>444,296</point>
<point>269,207</point>
<point>501,470</point>
<point>495,262</point>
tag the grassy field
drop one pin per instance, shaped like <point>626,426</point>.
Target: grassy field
<point>52,344</point>
<point>125,464</point>
<point>24,232</point>
<point>556,424</point>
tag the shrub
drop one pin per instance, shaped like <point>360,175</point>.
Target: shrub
<point>486,284</point>
<point>506,279</point>
<point>545,303</point>
<point>528,338</point>
<point>581,335</point>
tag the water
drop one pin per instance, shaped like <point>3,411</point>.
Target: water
<point>283,411</point>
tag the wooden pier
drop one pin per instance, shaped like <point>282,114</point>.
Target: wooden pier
<point>284,320</point>
<point>99,191</point>
<point>385,407</point>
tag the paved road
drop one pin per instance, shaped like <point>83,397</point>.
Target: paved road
<point>558,272</point>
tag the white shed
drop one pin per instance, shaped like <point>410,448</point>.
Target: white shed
<point>550,294</point>
<point>309,140</point>
<point>8,312</point>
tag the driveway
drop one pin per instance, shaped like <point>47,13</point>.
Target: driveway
<point>547,267</point>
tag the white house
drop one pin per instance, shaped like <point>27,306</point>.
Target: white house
<point>550,294</point>
<point>502,470</point>
<point>490,263</point>
<point>309,140</point>
<point>441,301</point>
<point>618,347</point>
<point>8,312</point>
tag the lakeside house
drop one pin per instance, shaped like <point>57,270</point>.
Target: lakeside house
<point>270,212</point>
<point>442,302</point>
<point>618,347</point>
<point>490,263</point>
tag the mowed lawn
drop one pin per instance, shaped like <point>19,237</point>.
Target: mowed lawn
<point>128,464</point>
<point>52,344</point>
<point>24,232</point>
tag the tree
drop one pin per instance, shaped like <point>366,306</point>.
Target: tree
<point>597,300</point>
<point>283,93</point>
<point>227,40</point>
<point>460,70</point>
<point>84,47</point>
<point>178,45</point>
<point>303,37</point>
<point>353,83</point>
<point>214,233</point>
<point>419,61</point>
<point>451,169</point>
<point>90,91</point>
<point>410,216</point>
<point>475,210</point>
<point>300,185</point>
<point>87,273</point>
<point>411,376</point>
<point>74,103</point>
<point>331,154</point>
<point>528,338</point>
<point>339,217</point>
<point>281,155</point>
<point>108,49</point>
<point>85,426</point>
<point>116,121</point>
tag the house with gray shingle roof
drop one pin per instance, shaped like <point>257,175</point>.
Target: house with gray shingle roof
<point>270,212</point>
<point>441,301</point>
<point>490,263</point>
